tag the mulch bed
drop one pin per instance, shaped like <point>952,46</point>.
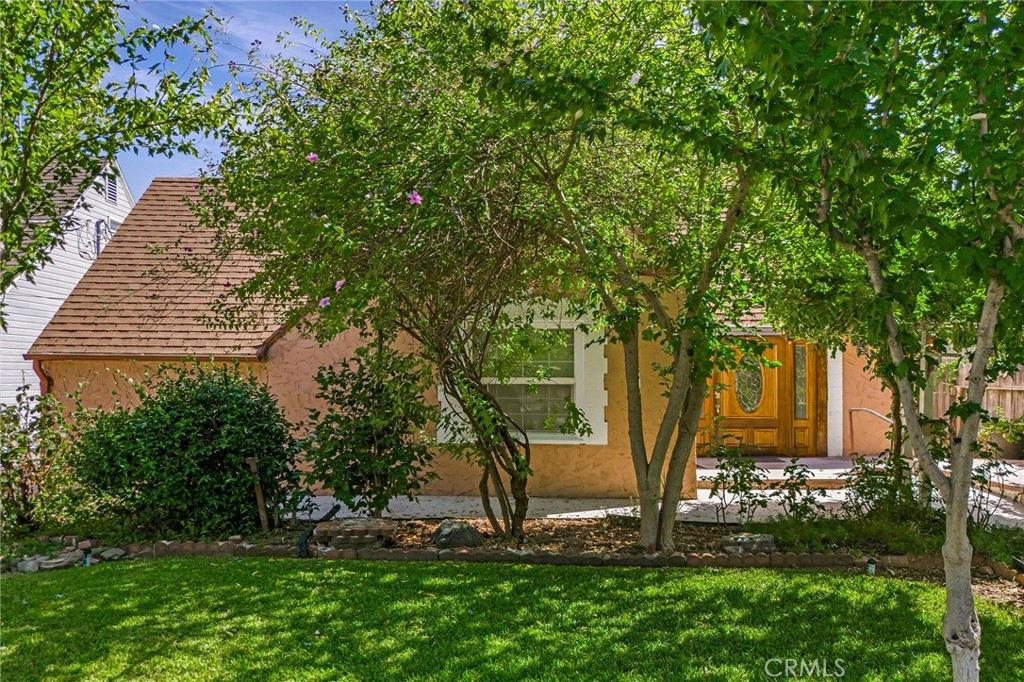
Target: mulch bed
<point>614,535</point>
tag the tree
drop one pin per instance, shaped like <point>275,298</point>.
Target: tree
<point>393,207</point>
<point>79,88</point>
<point>527,196</point>
<point>899,131</point>
<point>369,444</point>
<point>653,226</point>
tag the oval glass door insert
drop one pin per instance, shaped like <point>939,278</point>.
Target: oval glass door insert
<point>749,383</point>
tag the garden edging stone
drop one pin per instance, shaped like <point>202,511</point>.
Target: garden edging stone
<point>172,548</point>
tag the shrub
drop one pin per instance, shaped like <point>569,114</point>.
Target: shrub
<point>882,486</point>
<point>369,444</point>
<point>795,495</point>
<point>33,461</point>
<point>176,464</point>
<point>737,482</point>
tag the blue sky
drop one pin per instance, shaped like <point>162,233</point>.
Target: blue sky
<point>249,20</point>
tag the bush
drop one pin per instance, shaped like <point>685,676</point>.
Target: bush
<point>795,495</point>
<point>369,445</point>
<point>882,486</point>
<point>738,482</point>
<point>34,450</point>
<point>176,464</point>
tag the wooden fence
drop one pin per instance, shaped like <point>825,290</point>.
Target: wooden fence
<point>1005,393</point>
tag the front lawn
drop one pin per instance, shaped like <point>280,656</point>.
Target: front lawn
<point>251,619</point>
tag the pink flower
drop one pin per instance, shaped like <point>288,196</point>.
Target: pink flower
<point>312,157</point>
<point>339,284</point>
<point>325,301</point>
<point>414,198</point>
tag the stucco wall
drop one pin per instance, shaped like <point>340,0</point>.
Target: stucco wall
<point>559,470</point>
<point>863,433</point>
<point>105,383</point>
<point>585,470</point>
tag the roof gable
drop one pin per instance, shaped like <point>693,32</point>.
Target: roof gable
<point>138,298</point>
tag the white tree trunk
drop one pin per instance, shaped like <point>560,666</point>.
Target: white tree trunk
<point>960,628</point>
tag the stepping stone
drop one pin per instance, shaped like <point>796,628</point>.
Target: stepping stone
<point>54,564</point>
<point>112,554</point>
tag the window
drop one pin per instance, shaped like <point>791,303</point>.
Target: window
<point>111,189</point>
<point>536,390</point>
<point>800,382</point>
<point>571,365</point>
<point>749,383</point>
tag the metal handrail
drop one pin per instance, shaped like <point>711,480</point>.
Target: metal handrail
<point>870,411</point>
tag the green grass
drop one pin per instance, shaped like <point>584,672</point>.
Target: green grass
<point>253,619</point>
<point>875,535</point>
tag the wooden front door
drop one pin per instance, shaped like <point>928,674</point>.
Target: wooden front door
<point>770,410</point>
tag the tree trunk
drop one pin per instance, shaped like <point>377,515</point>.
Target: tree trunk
<point>499,491</point>
<point>485,500</point>
<point>649,517</point>
<point>517,485</point>
<point>960,627</point>
<point>682,450</point>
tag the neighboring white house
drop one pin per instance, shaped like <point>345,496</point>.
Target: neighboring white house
<point>28,306</point>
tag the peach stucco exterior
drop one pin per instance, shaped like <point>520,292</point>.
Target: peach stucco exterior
<point>563,470</point>
<point>863,432</point>
<point>560,470</point>
<point>573,470</point>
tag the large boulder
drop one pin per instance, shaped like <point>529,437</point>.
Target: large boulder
<point>452,534</point>
<point>748,543</point>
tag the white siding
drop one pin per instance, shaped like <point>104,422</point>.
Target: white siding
<point>29,306</point>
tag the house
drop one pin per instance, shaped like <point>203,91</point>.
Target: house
<point>138,307</point>
<point>92,217</point>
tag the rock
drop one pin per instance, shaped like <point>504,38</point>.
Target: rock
<point>456,534</point>
<point>748,543</point>
<point>986,570</point>
<point>54,564</point>
<point>112,554</point>
<point>28,566</point>
<point>235,538</point>
<point>74,557</point>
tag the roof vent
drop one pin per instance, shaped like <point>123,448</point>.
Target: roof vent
<point>111,189</point>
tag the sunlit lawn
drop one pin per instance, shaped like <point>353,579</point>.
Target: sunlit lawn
<point>285,619</point>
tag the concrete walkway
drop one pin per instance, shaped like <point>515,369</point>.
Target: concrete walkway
<point>821,468</point>
<point>827,471</point>
<point>701,510</point>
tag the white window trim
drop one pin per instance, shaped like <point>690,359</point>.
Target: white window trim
<point>589,393</point>
<point>834,404</point>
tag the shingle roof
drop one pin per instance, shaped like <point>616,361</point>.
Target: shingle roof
<point>139,299</point>
<point>65,195</point>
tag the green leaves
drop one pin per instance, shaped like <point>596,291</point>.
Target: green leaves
<point>78,88</point>
<point>176,463</point>
<point>370,445</point>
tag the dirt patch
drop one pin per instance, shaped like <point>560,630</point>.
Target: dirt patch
<point>611,535</point>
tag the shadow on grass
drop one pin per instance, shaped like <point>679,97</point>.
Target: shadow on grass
<point>254,619</point>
